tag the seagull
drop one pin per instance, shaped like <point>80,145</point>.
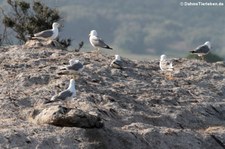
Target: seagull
<point>51,34</point>
<point>164,64</point>
<point>97,42</point>
<point>74,67</point>
<point>202,49</point>
<point>116,63</point>
<point>67,94</point>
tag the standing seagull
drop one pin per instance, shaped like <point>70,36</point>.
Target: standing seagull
<point>68,94</point>
<point>202,49</point>
<point>116,63</point>
<point>51,34</point>
<point>74,67</point>
<point>97,42</point>
<point>164,64</point>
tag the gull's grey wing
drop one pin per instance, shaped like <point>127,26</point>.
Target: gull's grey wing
<point>44,34</point>
<point>100,43</point>
<point>64,94</point>
<point>168,62</point>
<point>202,49</point>
<point>76,66</point>
<point>116,64</point>
<point>166,65</point>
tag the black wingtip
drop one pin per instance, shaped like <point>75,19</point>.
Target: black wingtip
<point>192,51</point>
<point>48,101</point>
<point>29,37</point>
<point>109,48</point>
<point>63,71</point>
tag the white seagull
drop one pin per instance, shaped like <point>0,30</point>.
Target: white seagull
<point>51,34</point>
<point>117,63</point>
<point>97,42</point>
<point>164,64</point>
<point>202,49</point>
<point>67,94</point>
<point>74,67</point>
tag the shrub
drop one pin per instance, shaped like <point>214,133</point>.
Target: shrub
<point>211,57</point>
<point>26,19</point>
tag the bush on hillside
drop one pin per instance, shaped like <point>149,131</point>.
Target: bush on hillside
<point>26,19</point>
<point>211,57</point>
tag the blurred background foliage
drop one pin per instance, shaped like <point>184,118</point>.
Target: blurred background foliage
<point>211,57</point>
<point>145,27</point>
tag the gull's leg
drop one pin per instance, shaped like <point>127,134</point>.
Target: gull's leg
<point>62,103</point>
<point>98,51</point>
<point>66,104</point>
<point>170,76</point>
<point>202,58</point>
<point>52,42</point>
<point>75,76</point>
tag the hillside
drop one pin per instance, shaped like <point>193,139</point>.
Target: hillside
<point>137,107</point>
<point>152,27</point>
<point>146,27</point>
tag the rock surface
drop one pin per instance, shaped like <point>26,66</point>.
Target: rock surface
<point>140,106</point>
<point>65,117</point>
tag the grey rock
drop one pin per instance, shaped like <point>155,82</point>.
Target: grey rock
<point>140,106</point>
<point>30,80</point>
<point>65,117</point>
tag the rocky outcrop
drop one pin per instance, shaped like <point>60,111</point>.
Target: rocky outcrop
<point>140,106</point>
<point>65,117</point>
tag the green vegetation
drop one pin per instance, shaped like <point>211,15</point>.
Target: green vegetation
<point>26,19</point>
<point>211,57</point>
<point>146,27</point>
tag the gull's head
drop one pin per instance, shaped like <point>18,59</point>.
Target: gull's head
<point>73,61</point>
<point>208,44</point>
<point>117,57</point>
<point>55,25</point>
<point>93,33</point>
<point>162,57</point>
<point>76,61</point>
<point>72,83</point>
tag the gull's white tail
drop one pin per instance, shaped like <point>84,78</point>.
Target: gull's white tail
<point>171,65</point>
<point>170,68</point>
